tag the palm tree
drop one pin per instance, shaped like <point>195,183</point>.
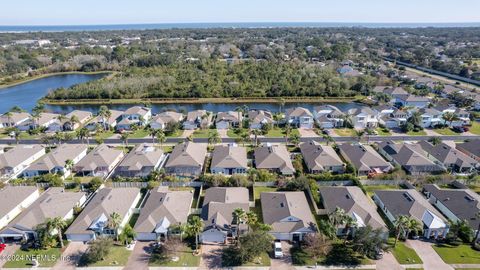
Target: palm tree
<point>105,114</point>
<point>415,119</point>
<point>58,224</point>
<point>295,139</point>
<point>255,133</point>
<point>161,137</point>
<point>69,164</point>
<point>83,134</point>
<point>359,134</point>
<point>16,133</point>
<point>114,223</point>
<point>413,225</point>
<point>252,219</point>
<point>214,137</point>
<point>239,216</point>
<point>74,120</point>
<point>449,117</point>
<point>401,224</point>
<point>124,138</point>
<point>350,223</point>
<point>195,227</point>
<point>245,136</point>
<point>435,140</point>
<point>337,217</point>
<point>153,133</point>
<point>287,130</point>
<point>347,120</point>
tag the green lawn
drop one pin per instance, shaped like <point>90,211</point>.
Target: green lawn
<point>404,254</point>
<point>277,132</point>
<point>141,133</point>
<point>417,133</point>
<point>460,254</point>
<point>445,131</point>
<point>259,261</point>
<point>104,135</point>
<point>186,259</point>
<point>345,132</point>
<point>383,132</point>
<point>256,194</point>
<point>203,133</point>
<point>232,134</point>
<point>175,134</point>
<point>23,259</point>
<point>475,128</point>
<point>118,256</point>
<point>371,188</point>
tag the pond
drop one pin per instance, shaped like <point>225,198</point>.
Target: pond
<point>27,94</point>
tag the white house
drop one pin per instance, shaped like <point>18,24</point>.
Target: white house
<point>14,161</point>
<point>13,200</point>
<point>363,117</point>
<point>328,116</point>
<point>299,117</point>
<point>135,115</point>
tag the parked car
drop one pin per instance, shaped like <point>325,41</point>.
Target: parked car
<point>277,249</point>
<point>459,129</point>
<point>2,247</point>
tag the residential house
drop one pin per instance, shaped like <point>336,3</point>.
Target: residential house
<point>328,116</point>
<point>44,120</point>
<point>197,119</point>
<point>431,117</point>
<point>187,159</point>
<point>106,124</point>
<point>13,200</point>
<point>321,158</point>
<point>363,117</point>
<point>14,119</point>
<point>82,116</point>
<point>412,101</point>
<point>450,157</point>
<point>289,215</point>
<point>470,148</point>
<point>463,116</point>
<point>92,222</point>
<point>53,203</point>
<point>226,120</point>
<point>162,211</point>
<point>365,159</point>
<point>134,116</point>
<point>14,161</point>
<point>409,202</point>
<point>392,117</point>
<point>258,118</point>
<point>299,117</point>
<point>275,158</point>
<point>55,161</point>
<point>141,161</point>
<point>229,159</point>
<point>356,204</point>
<point>411,157</point>
<point>455,204</point>
<point>217,212</point>
<point>348,71</point>
<point>100,161</point>
<point>161,120</point>
<point>395,93</point>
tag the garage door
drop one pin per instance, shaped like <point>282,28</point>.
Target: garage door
<point>213,236</point>
<point>79,237</point>
<point>146,236</point>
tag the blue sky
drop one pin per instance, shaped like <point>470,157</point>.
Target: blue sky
<point>61,12</point>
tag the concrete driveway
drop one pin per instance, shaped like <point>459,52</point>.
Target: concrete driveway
<point>7,252</point>
<point>222,133</point>
<point>284,263</point>
<point>307,133</point>
<point>139,257</point>
<point>71,256</point>
<point>388,262</point>
<point>211,256</point>
<point>430,258</point>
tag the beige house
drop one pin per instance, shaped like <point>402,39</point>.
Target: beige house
<point>187,159</point>
<point>13,200</point>
<point>15,119</point>
<point>82,117</point>
<point>321,158</point>
<point>55,162</point>
<point>55,202</point>
<point>229,159</point>
<point>226,120</point>
<point>197,119</point>
<point>289,215</point>
<point>163,210</point>
<point>93,220</point>
<point>275,158</point>
<point>161,120</point>
<point>107,124</point>
<point>217,212</point>
<point>100,161</point>
<point>141,161</point>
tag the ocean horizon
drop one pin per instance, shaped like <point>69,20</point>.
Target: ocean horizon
<point>110,27</point>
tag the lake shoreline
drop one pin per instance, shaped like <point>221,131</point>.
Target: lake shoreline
<point>28,79</point>
<point>199,101</point>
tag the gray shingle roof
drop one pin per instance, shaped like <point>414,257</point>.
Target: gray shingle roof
<point>102,156</point>
<point>57,157</point>
<point>12,196</point>
<point>229,156</point>
<point>273,157</point>
<point>448,155</point>
<point>364,157</point>
<point>144,155</point>
<point>278,207</point>
<point>161,203</point>
<point>220,202</point>
<point>18,154</point>
<point>187,154</point>
<point>317,156</point>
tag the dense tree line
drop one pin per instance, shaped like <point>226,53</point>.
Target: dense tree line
<point>211,78</point>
